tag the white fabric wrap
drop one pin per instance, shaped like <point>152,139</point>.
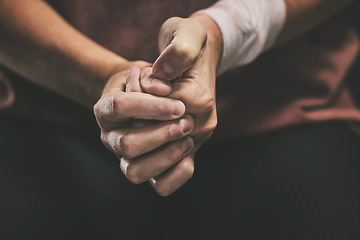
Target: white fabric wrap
<point>248,27</point>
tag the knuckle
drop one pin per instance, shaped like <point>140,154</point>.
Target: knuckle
<point>169,24</point>
<point>172,21</point>
<point>133,174</point>
<point>96,108</point>
<point>104,140</point>
<point>164,109</point>
<point>127,146</point>
<point>118,102</point>
<point>104,108</point>
<point>173,131</point>
<point>185,52</point>
<point>204,104</point>
<point>103,137</point>
<point>111,141</point>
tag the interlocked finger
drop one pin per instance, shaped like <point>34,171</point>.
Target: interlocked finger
<point>169,181</point>
<point>120,106</point>
<point>133,142</point>
<point>141,169</point>
<point>153,85</point>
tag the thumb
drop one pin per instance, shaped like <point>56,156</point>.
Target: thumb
<point>180,43</point>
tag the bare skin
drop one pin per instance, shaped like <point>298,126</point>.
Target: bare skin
<point>51,53</point>
<point>164,174</point>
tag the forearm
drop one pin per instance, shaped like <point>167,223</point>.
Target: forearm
<point>40,45</point>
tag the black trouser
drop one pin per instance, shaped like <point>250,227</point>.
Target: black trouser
<point>296,183</point>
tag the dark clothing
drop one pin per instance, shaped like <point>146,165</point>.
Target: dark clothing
<point>298,183</point>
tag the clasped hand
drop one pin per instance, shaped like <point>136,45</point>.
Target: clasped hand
<point>154,118</point>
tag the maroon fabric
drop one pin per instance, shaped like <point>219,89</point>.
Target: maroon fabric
<point>299,82</point>
<point>302,81</point>
<point>129,28</point>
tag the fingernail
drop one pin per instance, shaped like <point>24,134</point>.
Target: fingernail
<point>167,69</point>
<point>178,109</point>
<point>186,144</point>
<point>185,125</point>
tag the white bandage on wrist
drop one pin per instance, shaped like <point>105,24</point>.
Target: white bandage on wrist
<point>248,27</point>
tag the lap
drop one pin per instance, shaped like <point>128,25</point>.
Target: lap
<point>57,183</point>
<point>297,182</point>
